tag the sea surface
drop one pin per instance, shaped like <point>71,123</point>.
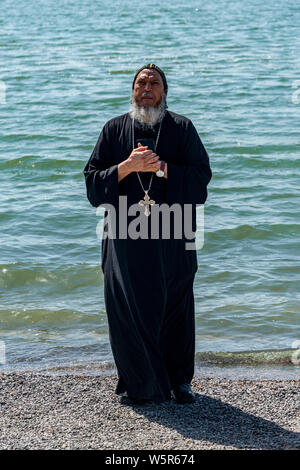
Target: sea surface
<point>66,67</point>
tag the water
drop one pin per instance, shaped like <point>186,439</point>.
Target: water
<point>65,69</point>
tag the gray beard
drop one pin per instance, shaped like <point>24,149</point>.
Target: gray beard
<point>148,116</point>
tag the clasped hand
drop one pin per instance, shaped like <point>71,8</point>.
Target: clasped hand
<point>142,159</point>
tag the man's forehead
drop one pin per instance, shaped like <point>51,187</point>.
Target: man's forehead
<point>147,73</point>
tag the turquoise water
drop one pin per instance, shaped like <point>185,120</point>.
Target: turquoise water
<point>66,68</point>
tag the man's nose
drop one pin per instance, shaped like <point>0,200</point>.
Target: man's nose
<point>148,86</point>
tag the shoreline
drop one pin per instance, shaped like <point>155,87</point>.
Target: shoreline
<point>41,411</point>
<point>232,371</point>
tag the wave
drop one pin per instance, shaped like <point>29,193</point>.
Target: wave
<point>39,162</point>
<point>260,357</point>
<point>258,232</point>
<point>257,150</point>
<point>22,318</point>
<point>36,137</point>
<point>68,278</point>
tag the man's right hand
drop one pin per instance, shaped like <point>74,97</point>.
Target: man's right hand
<point>140,159</point>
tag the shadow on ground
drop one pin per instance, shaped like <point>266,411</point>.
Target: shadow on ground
<point>214,421</point>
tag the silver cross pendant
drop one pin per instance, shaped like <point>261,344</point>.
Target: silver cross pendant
<point>146,202</point>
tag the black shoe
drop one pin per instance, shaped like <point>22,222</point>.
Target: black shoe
<point>126,400</point>
<point>183,394</point>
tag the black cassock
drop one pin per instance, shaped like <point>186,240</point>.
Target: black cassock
<point>148,283</point>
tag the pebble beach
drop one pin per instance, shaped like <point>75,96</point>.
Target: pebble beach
<point>41,411</point>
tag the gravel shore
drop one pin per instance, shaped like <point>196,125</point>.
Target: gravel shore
<point>82,412</point>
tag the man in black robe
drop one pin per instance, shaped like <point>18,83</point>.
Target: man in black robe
<point>148,281</point>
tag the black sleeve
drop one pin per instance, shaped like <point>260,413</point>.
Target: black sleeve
<point>101,177</point>
<point>187,183</point>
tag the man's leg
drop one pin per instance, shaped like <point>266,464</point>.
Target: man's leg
<point>178,333</point>
<point>134,325</point>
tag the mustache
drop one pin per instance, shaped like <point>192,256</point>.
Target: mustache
<point>147,94</point>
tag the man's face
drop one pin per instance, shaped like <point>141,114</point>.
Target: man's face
<point>148,88</point>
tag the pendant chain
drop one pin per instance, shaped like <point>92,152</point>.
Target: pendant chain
<point>158,134</point>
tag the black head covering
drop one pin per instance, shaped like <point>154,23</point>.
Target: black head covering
<point>154,67</point>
